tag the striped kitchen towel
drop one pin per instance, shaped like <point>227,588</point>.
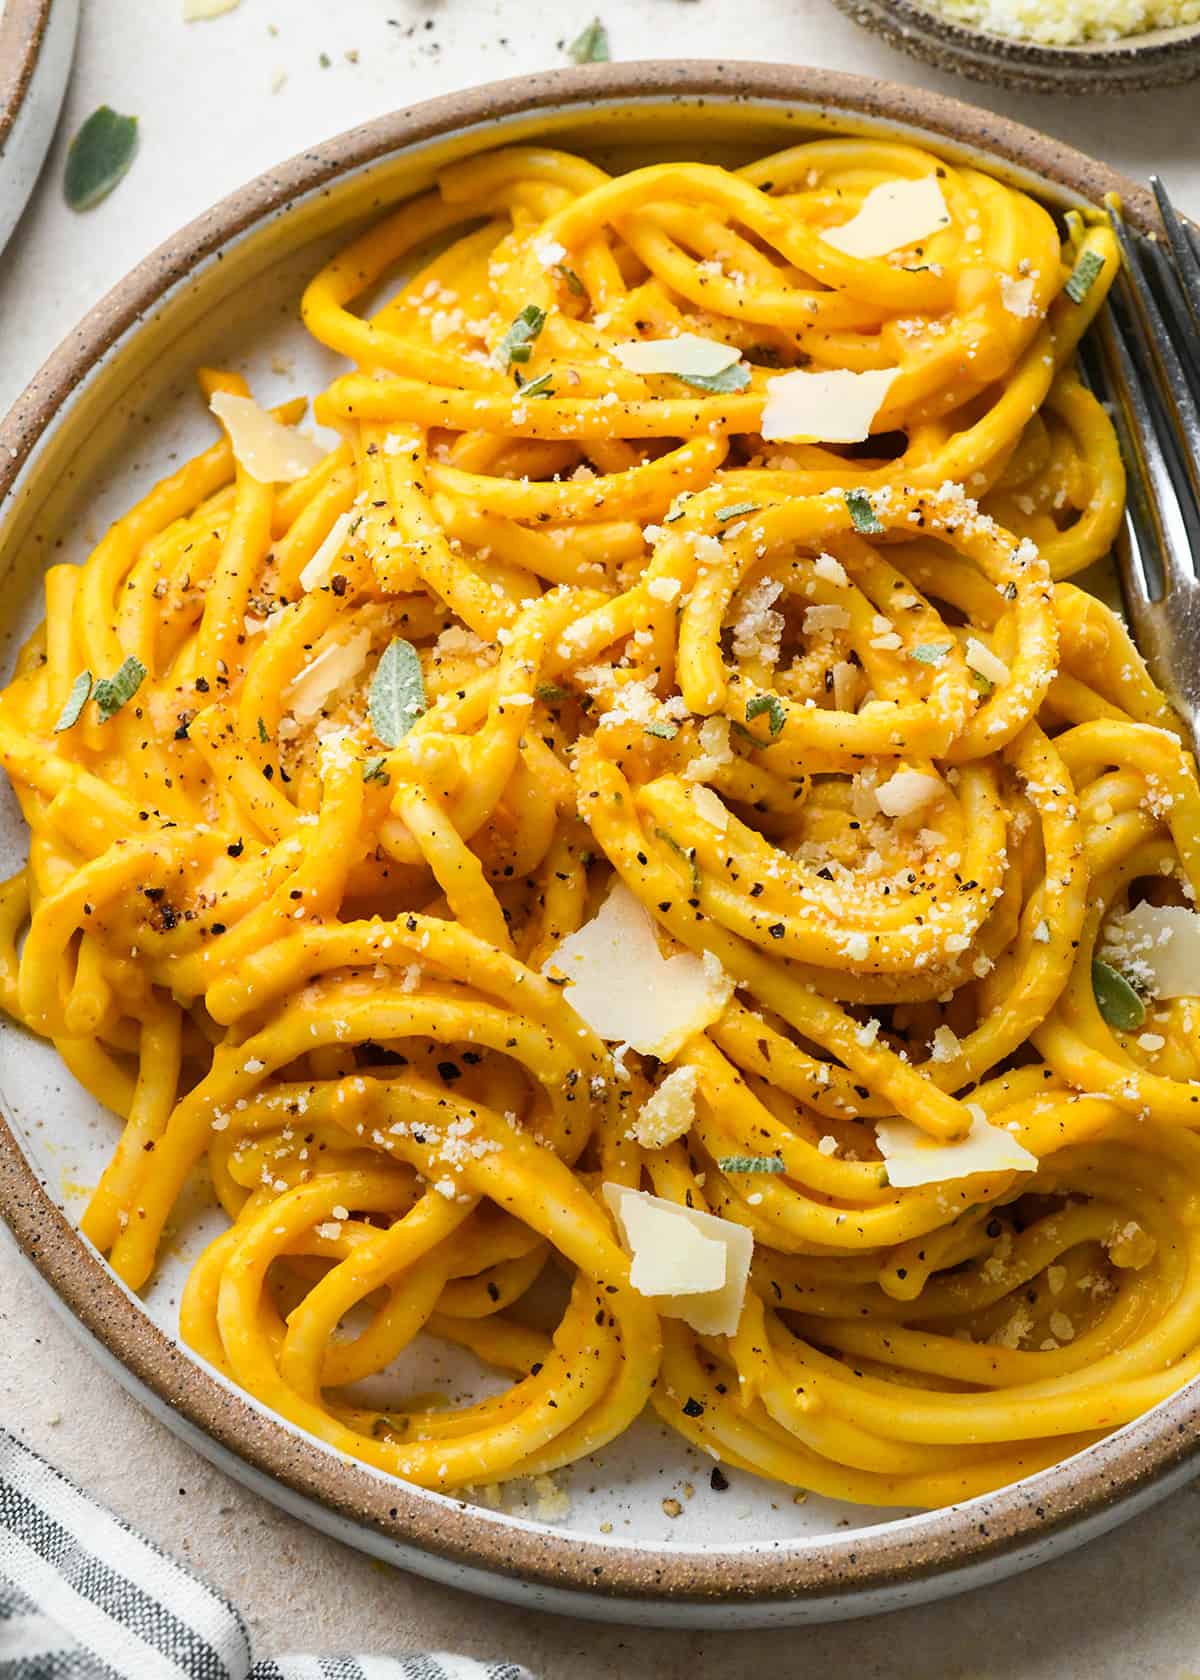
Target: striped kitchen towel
<point>84,1597</point>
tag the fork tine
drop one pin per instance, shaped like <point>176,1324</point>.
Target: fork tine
<point>1109,368</point>
<point>1187,263</point>
<point>1175,307</point>
<point>1170,396</point>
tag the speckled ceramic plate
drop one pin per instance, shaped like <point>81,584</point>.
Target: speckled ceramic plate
<point>37,41</point>
<point>1158,58</point>
<point>112,409</point>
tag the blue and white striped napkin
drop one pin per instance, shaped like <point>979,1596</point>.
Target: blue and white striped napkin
<point>84,1597</point>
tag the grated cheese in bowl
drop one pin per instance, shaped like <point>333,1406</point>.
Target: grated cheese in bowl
<point>1064,23</point>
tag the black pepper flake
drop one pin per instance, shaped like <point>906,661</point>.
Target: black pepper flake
<point>449,1071</point>
<point>777,930</point>
<point>693,1408</point>
<point>718,1481</point>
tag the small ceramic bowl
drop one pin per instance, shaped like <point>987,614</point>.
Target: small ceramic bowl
<point>37,43</point>
<point>1158,58</point>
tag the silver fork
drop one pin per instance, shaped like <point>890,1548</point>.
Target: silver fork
<point>1144,357</point>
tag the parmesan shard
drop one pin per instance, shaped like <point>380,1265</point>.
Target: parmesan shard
<point>627,991</point>
<point>673,1263</point>
<point>908,791</point>
<point>913,1157</point>
<point>709,808</point>
<point>1157,947</point>
<point>196,10</point>
<point>686,354</point>
<point>988,664</point>
<point>667,1114</point>
<point>270,452</point>
<point>1017,296</point>
<point>836,406</point>
<point>891,217</point>
<point>337,664</point>
<point>317,571</point>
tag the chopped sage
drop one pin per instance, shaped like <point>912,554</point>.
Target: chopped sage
<point>111,693</point>
<point>517,343</point>
<point>1116,999</point>
<point>539,387</point>
<point>735,378</point>
<point>397,694</point>
<point>665,731</point>
<point>862,515</point>
<point>930,653</point>
<point>752,1164</point>
<point>773,706</point>
<point>550,693</point>
<point>373,770</point>
<point>1083,276</point>
<point>736,510</point>
<point>76,701</point>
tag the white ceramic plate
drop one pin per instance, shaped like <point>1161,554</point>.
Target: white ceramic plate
<point>115,409</point>
<point>37,42</point>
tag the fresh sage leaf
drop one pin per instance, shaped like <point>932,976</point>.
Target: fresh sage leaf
<point>373,770</point>
<point>1083,276</point>
<point>773,706</point>
<point>735,378</point>
<point>98,157</point>
<point>111,693</point>
<point>1116,999</point>
<point>397,696</point>
<point>539,387</point>
<point>76,701</point>
<point>752,1164</point>
<point>665,731</point>
<point>590,46</point>
<point>517,343</point>
<point>736,510</point>
<point>862,515</point>
<point>930,653</point>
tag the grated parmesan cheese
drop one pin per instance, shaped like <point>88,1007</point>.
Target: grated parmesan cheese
<point>1070,22</point>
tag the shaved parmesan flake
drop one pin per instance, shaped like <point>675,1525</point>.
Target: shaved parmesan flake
<point>817,620</point>
<point>627,991</point>
<point>321,565</point>
<point>830,570</point>
<point>667,1115</point>
<point>891,217</point>
<point>271,453</point>
<point>710,808</point>
<point>908,791</point>
<point>1158,947</point>
<point>832,407</point>
<point>673,1263</point>
<point>983,660</point>
<point>687,353</point>
<point>337,664</point>
<point>195,10</point>
<point>915,1158</point>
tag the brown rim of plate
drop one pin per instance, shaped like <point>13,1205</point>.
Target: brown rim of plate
<point>22,27</point>
<point>1157,58</point>
<point>1012,1523</point>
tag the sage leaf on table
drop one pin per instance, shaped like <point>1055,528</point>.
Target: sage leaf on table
<point>1116,999</point>
<point>397,697</point>
<point>590,46</point>
<point>98,157</point>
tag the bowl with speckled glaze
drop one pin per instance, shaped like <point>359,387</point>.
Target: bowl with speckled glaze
<point>1156,58</point>
<point>37,41</point>
<point>647,1537</point>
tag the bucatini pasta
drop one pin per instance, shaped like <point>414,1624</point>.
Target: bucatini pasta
<point>647,810</point>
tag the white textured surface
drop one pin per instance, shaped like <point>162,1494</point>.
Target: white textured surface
<point>1128,1608</point>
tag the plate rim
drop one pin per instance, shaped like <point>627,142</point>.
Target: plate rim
<point>23,25</point>
<point>984,1537</point>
